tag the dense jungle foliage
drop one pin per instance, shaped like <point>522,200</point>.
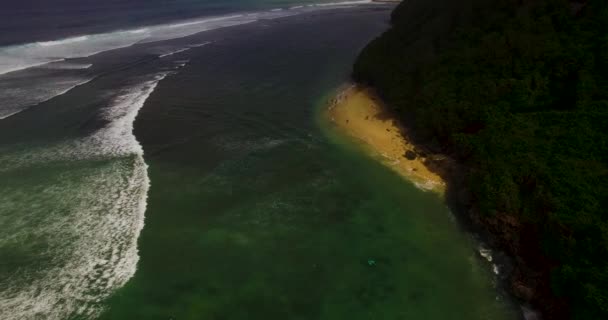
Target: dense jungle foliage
<point>517,92</point>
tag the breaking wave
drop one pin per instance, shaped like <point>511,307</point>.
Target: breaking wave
<point>24,56</point>
<point>86,221</point>
<point>343,3</point>
<point>173,52</point>
<point>63,65</point>
<point>64,41</point>
<point>16,98</point>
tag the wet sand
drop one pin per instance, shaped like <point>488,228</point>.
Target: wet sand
<point>359,113</point>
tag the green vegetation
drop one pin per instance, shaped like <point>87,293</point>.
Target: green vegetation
<point>517,91</point>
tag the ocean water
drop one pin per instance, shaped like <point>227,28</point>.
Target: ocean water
<point>28,21</point>
<point>171,163</point>
<point>32,72</point>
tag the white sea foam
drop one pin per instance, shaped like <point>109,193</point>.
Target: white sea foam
<point>495,269</point>
<point>64,65</point>
<point>197,45</point>
<point>24,56</point>
<point>179,65</point>
<point>205,20</point>
<point>16,97</point>
<point>117,139</point>
<point>142,30</point>
<point>15,63</point>
<point>93,220</point>
<point>19,57</point>
<point>343,3</point>
<point>93,243</point>
<point>113,140</point>
<point>173,52</point>
<point>64,41</point>
<point>9,113</point>
<point>488,255</point>
<point>15,100</point>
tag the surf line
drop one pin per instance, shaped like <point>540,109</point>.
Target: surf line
<point>103,257</point>
<point>28,55</point>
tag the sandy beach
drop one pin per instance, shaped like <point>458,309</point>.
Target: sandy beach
<point>361,115</point>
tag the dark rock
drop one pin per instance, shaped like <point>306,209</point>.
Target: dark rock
<point>522,291</point>
<point>410,155</point>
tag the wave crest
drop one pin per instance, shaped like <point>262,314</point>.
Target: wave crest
<point>92,213</point>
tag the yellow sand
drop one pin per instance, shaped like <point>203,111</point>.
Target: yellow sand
<point>358,113</point>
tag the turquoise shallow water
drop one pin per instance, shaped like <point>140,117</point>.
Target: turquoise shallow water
<point>254,208</point>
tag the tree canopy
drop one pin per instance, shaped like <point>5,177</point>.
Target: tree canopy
<point>517,91</point>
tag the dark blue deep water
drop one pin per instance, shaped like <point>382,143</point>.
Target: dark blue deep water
<point>23,21</point>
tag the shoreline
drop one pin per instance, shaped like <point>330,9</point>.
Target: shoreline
<point>360,114</point>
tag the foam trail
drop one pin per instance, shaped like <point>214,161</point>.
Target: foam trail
<point>117,138</point>
<point>25,56</point>
<point>11,64</point>
<point>9,113</point>
<point>64,41</point>
<point>343,3</point>
<point>142,30</point>
<point>68,66</point>
<point>199,44</point>
<point>19,57</point>
<point>173,52</point>
<point>92,223</point>
<point>207,20</point>
<point>181,63</point>
<point>15,100</point>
